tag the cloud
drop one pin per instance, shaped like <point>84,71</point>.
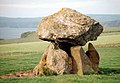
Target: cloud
<point>35,8</point>
<point>49,5</point>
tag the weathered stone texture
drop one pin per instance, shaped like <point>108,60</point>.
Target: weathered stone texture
<point>77,60</point>
<point>93,56</point>
<point>69,26</point>
<point>54,60</point>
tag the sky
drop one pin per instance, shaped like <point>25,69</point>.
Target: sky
<point>40,8</point>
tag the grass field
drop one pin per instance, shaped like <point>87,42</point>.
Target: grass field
<point>14,59</point>
<point>25,56</point>
<point>66,79</point>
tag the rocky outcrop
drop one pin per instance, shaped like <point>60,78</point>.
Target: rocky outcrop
<point>68,30</point>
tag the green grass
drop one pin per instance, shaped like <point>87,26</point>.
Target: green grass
<point>110,57</point>
<point>17,57</point>
<point>66,79</point>
<point>111,30</point>
<point>22,61</point>
<point>19,40</point>
<point>24,47</point>
<point>109,39</point>
<point>25,56</point>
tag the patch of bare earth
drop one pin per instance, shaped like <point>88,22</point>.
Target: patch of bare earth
<point>20,74</point>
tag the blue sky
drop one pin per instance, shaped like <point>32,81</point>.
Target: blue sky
<point>40,8</point>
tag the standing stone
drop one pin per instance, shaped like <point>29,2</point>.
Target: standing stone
<point>57,61</point>
<point>77,60</point>
<point>86,63</point>
<point>54,61</point>
<point>93,56</point>
<point>81,62</point>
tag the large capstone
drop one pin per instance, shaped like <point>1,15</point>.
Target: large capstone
<point>69,26</point>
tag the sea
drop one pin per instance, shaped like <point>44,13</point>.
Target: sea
<point>11,33</point>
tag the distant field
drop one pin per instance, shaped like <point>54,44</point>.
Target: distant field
<point>21,47</point>
<point>112,29</point>
<point>108,39</point>
<point>103,39</point>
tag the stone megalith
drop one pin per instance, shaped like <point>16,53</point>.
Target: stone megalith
<point>53,61</point>
<point>67,31</point>
<point>93,56</point>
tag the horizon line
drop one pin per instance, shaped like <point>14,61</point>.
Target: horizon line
<point>48,15</point>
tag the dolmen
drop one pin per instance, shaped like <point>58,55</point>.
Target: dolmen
<point>67,31</point>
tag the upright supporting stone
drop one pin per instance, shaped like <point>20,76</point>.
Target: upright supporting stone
<point>77,60</point>
<point>53,61</point>
<point>86,63</point>
<point>93,56</point>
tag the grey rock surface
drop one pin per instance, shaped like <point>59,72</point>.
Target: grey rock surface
<point>69,26</point>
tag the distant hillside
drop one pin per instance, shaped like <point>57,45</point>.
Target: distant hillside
<point>105,20</point>
<point>115,23</point>
<point>19,22</point>
<point>25,37</point>
<point>105,17</point>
